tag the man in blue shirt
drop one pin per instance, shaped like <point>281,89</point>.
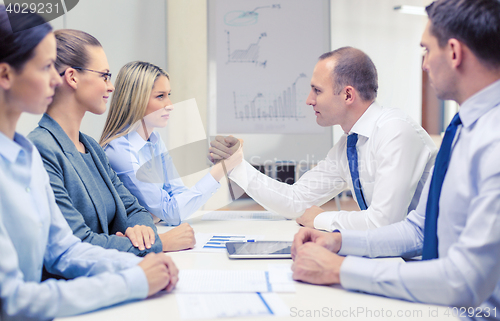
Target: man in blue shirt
<point>457,222</point>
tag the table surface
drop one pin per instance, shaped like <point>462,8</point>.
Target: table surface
<point>309,301</point>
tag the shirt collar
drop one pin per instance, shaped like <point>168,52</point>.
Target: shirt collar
<point>366,123</point>
<point>12,148</point>
<point>479,104</point>
<point>137,142</point>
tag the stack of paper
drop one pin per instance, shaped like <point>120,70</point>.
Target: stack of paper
<point>232,293</point>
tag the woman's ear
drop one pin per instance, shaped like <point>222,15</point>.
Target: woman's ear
<point>5,76</point>
<point>70,77</point>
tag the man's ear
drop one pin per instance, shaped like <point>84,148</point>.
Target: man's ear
<point>70,77</point>
<point>455,48</point>
<point>5,75</point>
<point>349,95</point>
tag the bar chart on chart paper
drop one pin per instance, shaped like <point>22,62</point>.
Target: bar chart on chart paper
<point>284,107</point>
<point>264,62</point>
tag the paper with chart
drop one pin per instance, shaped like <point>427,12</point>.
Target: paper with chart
<point>223,305</point>
<point>264,62</point>
<point>206,242</point>
<point>242,216</point>
<point>234,281</point>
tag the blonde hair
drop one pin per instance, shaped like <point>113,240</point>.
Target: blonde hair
<point>133,87</point>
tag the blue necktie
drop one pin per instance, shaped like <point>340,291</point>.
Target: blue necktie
<point>430,250</point>
<point>352,158</point>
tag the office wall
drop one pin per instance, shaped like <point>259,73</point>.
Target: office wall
<point>392,40</point>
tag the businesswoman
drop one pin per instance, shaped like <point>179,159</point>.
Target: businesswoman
<point>32,230</point>
<point>138,154</point>
<point>97,206</point>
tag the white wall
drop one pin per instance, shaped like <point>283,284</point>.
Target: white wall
<point>392,40</point>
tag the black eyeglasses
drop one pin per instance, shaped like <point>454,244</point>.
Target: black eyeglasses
<point>105,75</point>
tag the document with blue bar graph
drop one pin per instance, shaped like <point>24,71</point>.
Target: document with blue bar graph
<point>217,242</point>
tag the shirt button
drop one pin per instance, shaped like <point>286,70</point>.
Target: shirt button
<point>28,189</point>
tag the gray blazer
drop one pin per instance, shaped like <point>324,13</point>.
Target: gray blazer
<point>77,196</point>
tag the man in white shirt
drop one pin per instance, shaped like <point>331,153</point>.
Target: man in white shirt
<point>384,157</point>
<point>457,222</point>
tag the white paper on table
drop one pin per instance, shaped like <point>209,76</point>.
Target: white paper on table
<point>203,238</point>
<point>213,281</point>
<point>220,305</point>
<point>230,281</point>
<point>280,277</point>
<point>242,216</point>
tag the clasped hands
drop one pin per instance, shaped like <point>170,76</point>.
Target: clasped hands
<point>314,256</point>
<point>159,269</point>
<point>179,238</point>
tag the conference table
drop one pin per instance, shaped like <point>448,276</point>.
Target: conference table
<point>311,302</point>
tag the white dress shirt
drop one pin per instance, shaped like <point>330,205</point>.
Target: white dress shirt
<point>467,272</point>
<point>147,170</point>
<point>395,156</point>
<point>33,232</point>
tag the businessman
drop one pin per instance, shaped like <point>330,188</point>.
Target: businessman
<point>457,222</point>
<point>384,157</point>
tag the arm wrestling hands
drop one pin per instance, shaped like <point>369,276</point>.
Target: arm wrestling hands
<point>229,149</point>
<point>314,256</point>
<point>223,147</point>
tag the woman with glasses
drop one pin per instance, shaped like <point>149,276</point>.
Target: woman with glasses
<point>97,206</point>
<point>137,153</point>
<point>33,233</point>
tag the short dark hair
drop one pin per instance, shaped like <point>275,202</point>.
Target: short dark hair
<point>476,23</point>
<point>353,68</point>
<point>17,47</point>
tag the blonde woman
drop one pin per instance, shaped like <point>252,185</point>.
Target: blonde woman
<point>98,208</point>
<point>137,153</point>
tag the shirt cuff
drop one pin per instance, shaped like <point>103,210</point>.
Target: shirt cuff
<point>356,273</point>
<point>207,184</point>
<point>324,221</point>
<point>137,282</point>
<point>243,174</point>
<point>353,243</point>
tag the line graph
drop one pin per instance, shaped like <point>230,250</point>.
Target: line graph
<point>283,107</point>
<point>248,55</point>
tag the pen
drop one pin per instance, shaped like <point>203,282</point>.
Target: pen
<point>228,236</point>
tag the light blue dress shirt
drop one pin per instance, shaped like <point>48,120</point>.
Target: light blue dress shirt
<point>33,232</point>
<point>467,272</point>
<point>154,180</point>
